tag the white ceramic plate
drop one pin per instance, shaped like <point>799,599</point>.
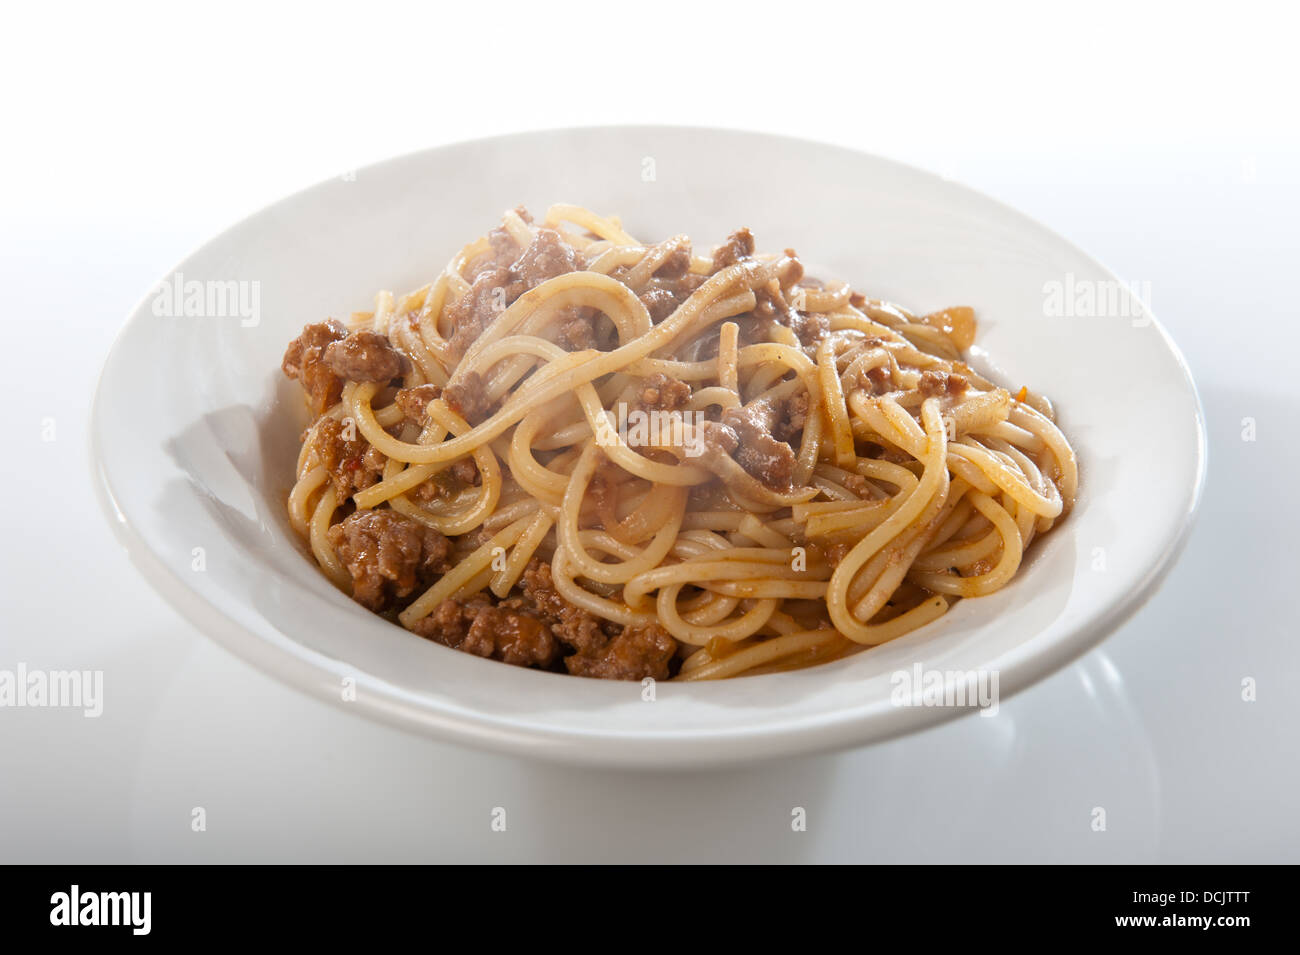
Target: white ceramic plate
<point>195,431</point>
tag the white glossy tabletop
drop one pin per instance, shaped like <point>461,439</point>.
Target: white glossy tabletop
<point>161,134</point>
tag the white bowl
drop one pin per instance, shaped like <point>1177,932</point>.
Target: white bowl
<point>195,432</point>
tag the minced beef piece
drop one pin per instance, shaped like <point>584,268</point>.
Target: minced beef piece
<point>670,285</point>
<point>721,438</point>
<point>304,360</point>
<point>476,309</point>
<point>676,265</point>
<point>858,485</point>
<point>504,247</point>
<point>365,356</point>
<point>663,294</point>
<point>770,304</point>
<point>495,285</point>
<point>636,653</point>
<point>465,471</point>
<point>350,460</point>
<point>447,482</point>
<point>940,384</point>
<point>580,629</point>
<point>476,626</point>
<point>504,251</point>
<point>388,555</point>
<point>765,457</point>
<point>659,302</point>
<point>792,417</point>
<point>875,381</point>
<point>468,397</point>
<point>576,329</point>
<point>661,393</point>
<point>415,401</point>
<point>739,245</point>
<point>795,274</point>
<point>538,627</point>
<point>547,256</point>
<point>810,328</point>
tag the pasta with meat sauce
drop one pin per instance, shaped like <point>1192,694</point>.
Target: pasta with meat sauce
<point>581,453</point>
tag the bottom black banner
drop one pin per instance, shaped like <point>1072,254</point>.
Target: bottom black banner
<point>96,904</point>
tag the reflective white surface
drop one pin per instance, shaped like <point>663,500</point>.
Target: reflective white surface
<point>1196,194</point>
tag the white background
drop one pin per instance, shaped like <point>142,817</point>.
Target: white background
<point>1161,139</point>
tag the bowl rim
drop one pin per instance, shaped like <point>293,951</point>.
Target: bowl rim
<point>315,675</point>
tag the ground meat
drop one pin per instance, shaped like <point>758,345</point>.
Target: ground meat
<point>739,245</point>
<point>940,384</point>
<point>765,457</point>
<point>580,629</point>
<point>547,256</point>
<point>636,653</point>
<point>350,460</point>
<point>388,555</point>
<point>663,294</point>
<point>670,286</point>
<point>769,302</point>
<point>465,471</point>
<point>468,397</point>
<point>753,329</point>
<point>792,416</point>
<point>603,649</point>
<point>504,251</point>
<point>537,627</point>
<point>576,329</point>
<point>721,438</point>
<point>495,285</point>
<point>304,361</point>
<point>504,247</point>
<point>770,305</point>
<point>515,634</point>
<point>476,626</point>
<point>794,275</point>
<point>810,328</point>
<point>415,401</point>
<point>661,393</point>
<point>676,265</point>
<point>476,309</point>
<point>448,482</point>
<point>659,302</point>
<point>365,356</point>
<point>875,381</point>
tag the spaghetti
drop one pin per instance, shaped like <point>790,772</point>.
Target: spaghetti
<point>579,452</point>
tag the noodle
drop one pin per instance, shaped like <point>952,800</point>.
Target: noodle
<point>578,451</point>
